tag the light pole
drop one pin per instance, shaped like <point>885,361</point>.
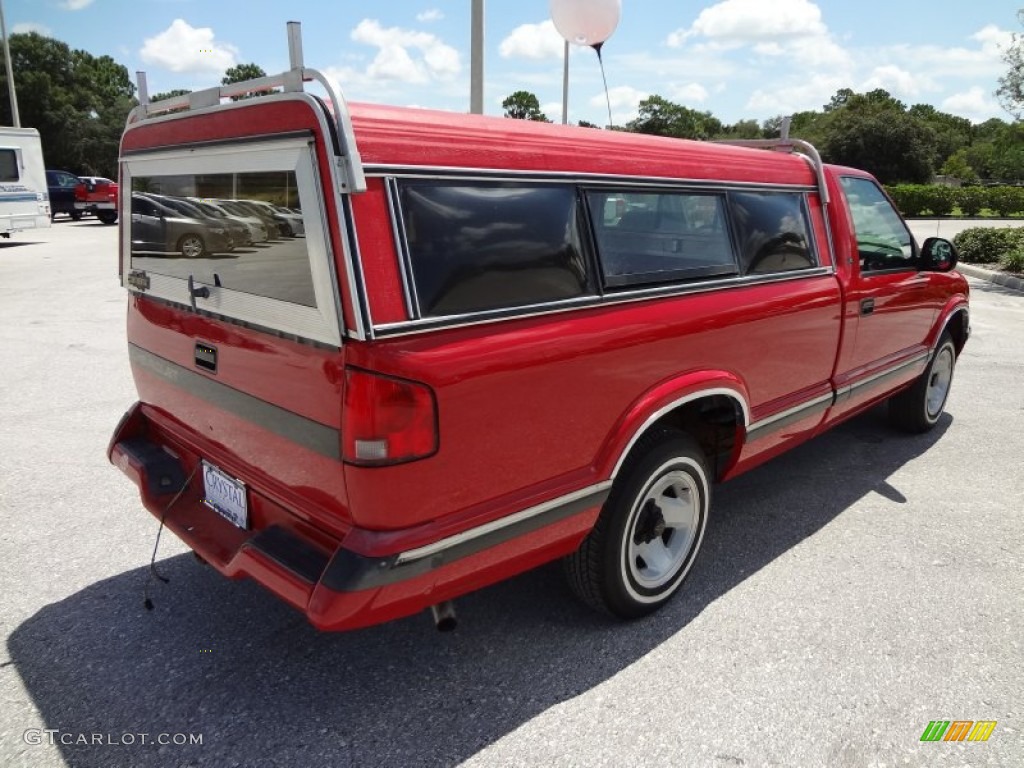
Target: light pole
<point>565,84</point>
<point>476,59</point>
<point>10,70</point>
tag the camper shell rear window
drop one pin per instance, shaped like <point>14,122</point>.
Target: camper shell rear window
<point>244,225</point>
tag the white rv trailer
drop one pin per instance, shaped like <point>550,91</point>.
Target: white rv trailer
<point>24,199</point>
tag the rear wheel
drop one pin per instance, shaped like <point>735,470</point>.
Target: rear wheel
<point>649,530</point>
<point>191,246</point>
<point>108,217</point>
<point>918,408</point>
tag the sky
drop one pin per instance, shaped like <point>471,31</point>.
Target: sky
<point>738,59</point>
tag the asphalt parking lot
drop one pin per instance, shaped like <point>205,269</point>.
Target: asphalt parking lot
<point>848,593</point>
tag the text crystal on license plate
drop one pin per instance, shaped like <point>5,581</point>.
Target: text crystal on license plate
<point>225,496</point>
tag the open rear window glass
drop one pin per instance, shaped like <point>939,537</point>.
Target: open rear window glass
<point>478,246</point>
<point>246,252</point>
<point>658,237</point>
<point>772,229</point>
<point>237,230</point>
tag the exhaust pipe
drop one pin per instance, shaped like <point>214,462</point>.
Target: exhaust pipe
<point>444,616</point>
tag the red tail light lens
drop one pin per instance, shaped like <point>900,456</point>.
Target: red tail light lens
<point>386,420</point>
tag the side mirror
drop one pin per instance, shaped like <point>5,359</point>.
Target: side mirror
<point>938,255</point>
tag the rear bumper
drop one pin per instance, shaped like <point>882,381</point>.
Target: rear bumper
<point>97,206</point>
<point>365,578</point>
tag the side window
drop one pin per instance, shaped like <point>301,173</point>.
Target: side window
<point>649,238</point>
<point>478,246</point>
<point>883,240</point>
<point>772,231</point>
<point>8,165</point>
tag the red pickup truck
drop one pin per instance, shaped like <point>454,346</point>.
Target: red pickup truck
<point>499,343</point>
<point>97,196</point>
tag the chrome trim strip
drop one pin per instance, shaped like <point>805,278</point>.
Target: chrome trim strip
<point>491,174</point>
<point>567,501</point>
<point>586,302</point>
<point>303,431</point>
<point>849,389</point>
<point>790,412</point>
<point>725,391</point>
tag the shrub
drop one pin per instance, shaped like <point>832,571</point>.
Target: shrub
<point>1006,201</point>
<point>971,200</point>
<point>988,245</point>
<point>1013,261</point>
<point>910,199</point>
<point>940,199</point>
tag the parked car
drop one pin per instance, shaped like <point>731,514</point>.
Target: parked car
<point>97,196</point>
<point>274,221</point>
<point>238,232</point>
<point>61,186</point>
<point>466,369</point>
<point>289,221</point>
<point>257,230</point>
<point>157,228</point>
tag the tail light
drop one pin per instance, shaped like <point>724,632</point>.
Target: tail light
<point>386,420</point>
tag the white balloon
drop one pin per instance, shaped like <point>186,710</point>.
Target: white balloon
<point>586,22</point>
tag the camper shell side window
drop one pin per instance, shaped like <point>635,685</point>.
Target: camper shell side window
<point>475,246</point>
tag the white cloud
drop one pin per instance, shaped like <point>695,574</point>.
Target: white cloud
<point>75,5</point>
<point>30,26</point>
<point>809,94</point>
<point>898,82</point>
<point>406,55</point>
<point>689,94</point>
<point>433,14</point>
<point>993,40</point>
<point>552,110</point>
<point>184,48</point>
<point>975,104</point>
<point>621,97</point>
<point>752,21</point>
<point>533,41</point>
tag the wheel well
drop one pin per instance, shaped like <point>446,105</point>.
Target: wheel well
<point>957,327</point>
<point>714,422</point>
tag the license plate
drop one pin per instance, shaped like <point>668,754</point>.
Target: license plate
<point>225,496</point>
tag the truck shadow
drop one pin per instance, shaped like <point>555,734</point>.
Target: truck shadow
<point>229,662</point>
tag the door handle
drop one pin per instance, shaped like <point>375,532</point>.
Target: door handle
<point>867,306</point>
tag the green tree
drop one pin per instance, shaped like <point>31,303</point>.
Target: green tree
<point>952,133</point>
<point>241,73</point>
<point>78,102</point>
<point>587,124</point>
<point>170,94</point>
<point>958,167</point>
<point>875,132</point>
<point>660,117</point>
<point>744,129</point>
<point>1011,85</point>
<point>523,105</point>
